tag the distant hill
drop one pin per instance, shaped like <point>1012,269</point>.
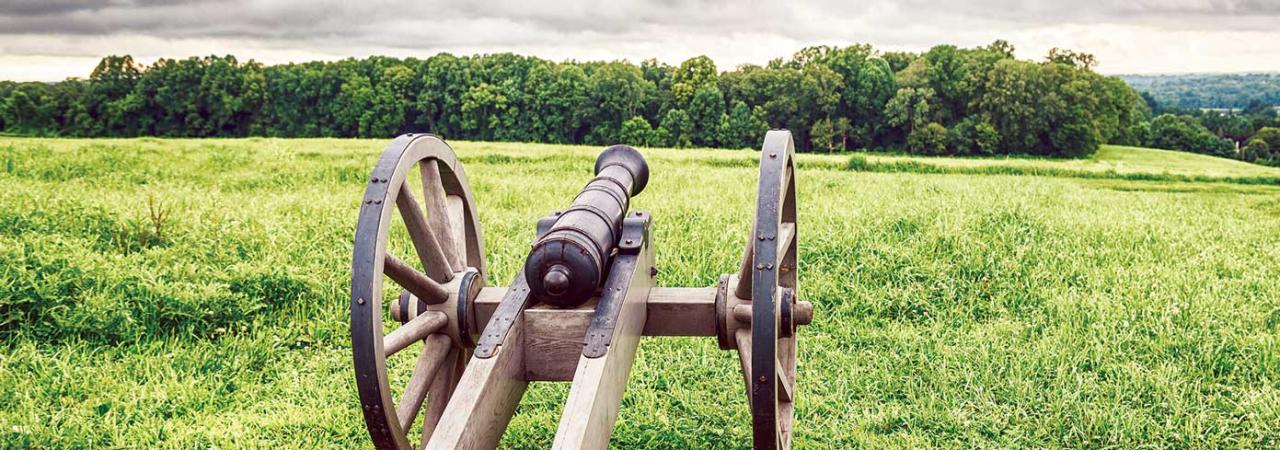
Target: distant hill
<point>1209,90</point>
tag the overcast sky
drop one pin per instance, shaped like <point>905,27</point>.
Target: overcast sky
<point>54,39</point>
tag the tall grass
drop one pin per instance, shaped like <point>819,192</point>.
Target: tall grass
<point>1010,311</point>
<point>862,163</point>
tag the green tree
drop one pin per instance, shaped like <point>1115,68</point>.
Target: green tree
<point>1011,92</point>
<point>1270,136</point>
<point>986,138</point>
<point>445,80</point>
<point>830,135</point>
<point>706,110</point>
<point>1258,151</point>
<point>482,107</point>
<point>392,98</point>
<point>910,108</point>
<point>868,85</point>
<point>636,131</point>
<point>742,127</point>
<point>930,139</point>
<point>1184,133</point>
<point>617,92</point>
<point>693,74</point>
<point>1263,147</point>
<point>111,81</point>
<point>675,129</point>
<point>1071,58</point>
<point>20,113</point>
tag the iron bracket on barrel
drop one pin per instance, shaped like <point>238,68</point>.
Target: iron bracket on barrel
<point>635,236</point>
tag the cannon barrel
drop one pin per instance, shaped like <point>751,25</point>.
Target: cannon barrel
<point>567,264</point>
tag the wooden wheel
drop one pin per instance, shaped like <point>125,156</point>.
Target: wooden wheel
<point>436,287</point>
<point>768,280</point>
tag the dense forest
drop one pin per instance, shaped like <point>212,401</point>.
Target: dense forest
<point>1210,91</point>
<point>946,100</point>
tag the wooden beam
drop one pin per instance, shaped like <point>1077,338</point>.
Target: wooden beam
<point>671,311</point>
<point>553,341</point>
<point>485,399</point>
<point>598,383</point>
<point>681,312</point>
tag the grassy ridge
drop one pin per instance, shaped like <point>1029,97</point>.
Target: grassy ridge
<point>954,311</point>
<point>1111,162</point>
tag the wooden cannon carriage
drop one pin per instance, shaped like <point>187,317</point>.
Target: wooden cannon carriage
<point>575,313</point>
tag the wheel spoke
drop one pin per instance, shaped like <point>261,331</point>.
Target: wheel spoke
<point>414,281</point>
<point>746,272</point>
<point>424,240</point>
<point>438,212</point>
<point>441,391</point>
<point>412,331</point>
<point>743,338</point>
<point>785,383</point>
<point>786,233</point>
<point>429,361</point>
<point>457,223</point>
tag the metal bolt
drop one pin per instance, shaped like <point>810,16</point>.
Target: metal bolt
<point>763,379</point>
<point>360,300</point>
<point>629,241</point>
<point>773,155</point>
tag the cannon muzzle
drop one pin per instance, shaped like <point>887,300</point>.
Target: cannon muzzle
<point>567,264</point>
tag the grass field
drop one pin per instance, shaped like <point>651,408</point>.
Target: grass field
<point>192,294</point>
<point>1118,160</point>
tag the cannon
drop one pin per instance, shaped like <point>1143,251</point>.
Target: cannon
<point>575,312</point>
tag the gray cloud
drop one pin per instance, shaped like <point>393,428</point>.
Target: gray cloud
<point>733,31</point>
<point>339,19</point>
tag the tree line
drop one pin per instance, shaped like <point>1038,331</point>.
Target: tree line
<point>1250,134</point>
<point>1210,90</point>
<point>947,100</point>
